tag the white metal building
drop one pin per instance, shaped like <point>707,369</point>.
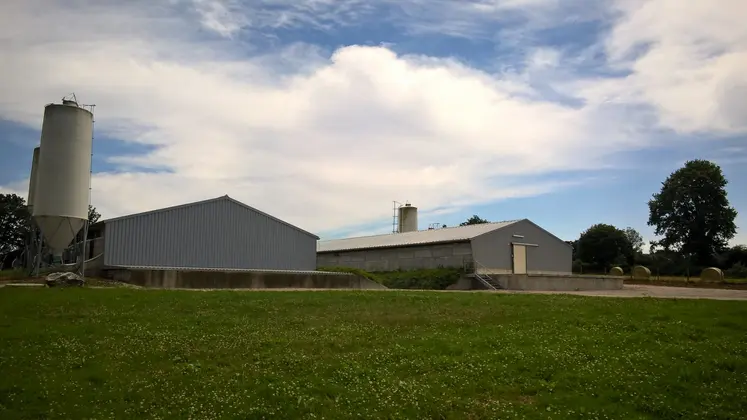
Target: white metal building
<point>517,246</point>
<point>219,233</point>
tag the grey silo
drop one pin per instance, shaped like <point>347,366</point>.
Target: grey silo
<point>408,218</point>
<point>62,176</point>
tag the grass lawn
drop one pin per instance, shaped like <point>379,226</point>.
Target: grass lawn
<point>12,274</point>
<point>127,353</point>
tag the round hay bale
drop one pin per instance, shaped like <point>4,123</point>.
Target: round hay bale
<point>641,272</point>
<point>712,274</point>
<point>616,271</point>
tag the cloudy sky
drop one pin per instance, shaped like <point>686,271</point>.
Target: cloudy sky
<point>321,112</point>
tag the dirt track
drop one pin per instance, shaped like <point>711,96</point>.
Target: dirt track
<point>635,290</point>
<point>628,291</point>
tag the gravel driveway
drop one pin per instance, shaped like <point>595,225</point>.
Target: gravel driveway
<point>635,290</point>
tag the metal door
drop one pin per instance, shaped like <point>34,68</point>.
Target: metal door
<point>520,259</point>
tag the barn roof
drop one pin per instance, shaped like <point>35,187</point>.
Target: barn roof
<point>211,200</point>
<point>421,237</point>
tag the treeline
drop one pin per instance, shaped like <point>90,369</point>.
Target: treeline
<point>597,251</point>
<point>693,220</point>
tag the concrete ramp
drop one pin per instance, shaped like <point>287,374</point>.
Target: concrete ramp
<point>558,282</point>
<point>189,278</point>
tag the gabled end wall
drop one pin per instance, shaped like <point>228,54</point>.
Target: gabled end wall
<point>550,256</point>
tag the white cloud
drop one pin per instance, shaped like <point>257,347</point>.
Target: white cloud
<point>225,17</point>
<point>688,61</point>
<point>228,17</point>
<point>321,141</point>
<point>504,21</point>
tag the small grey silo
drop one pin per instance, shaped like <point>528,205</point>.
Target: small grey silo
<point>408,218</point>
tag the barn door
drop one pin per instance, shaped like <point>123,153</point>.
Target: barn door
<point>520,259</point>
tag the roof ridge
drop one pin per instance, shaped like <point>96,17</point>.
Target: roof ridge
<point>211,200</point>
<point>174,207</point>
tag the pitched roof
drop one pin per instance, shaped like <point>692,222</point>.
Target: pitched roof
<point>196,203</point>
<point>421,237</point>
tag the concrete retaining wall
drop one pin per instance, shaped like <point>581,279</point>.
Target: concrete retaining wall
<point>559,283</point>
<point>195,279</point>
<point>467,283</point>
<point>566,283</point>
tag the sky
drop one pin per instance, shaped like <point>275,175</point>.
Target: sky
<point>324,112</point>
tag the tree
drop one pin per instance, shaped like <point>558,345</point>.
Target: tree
<point>14,225</point>
<point>634,239</point>
<point>474,220</point>
<point>603,245</point>
<point>93,215</point>
<point>691,212</point>
<point>574,246</point>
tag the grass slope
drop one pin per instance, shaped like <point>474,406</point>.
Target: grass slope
<point>124,353</point>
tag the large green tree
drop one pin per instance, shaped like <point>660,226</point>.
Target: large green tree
<point>692,214</point>
<point>603,245</point>
<point>474,220</point>
<point>14,224</point>
<point>635,239</point>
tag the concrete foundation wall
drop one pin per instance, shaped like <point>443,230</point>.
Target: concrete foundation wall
<point>558,283</point>
<point>565,283</point>
<point>194,279</point>
<point>402,258</point>
<point>467,283</point>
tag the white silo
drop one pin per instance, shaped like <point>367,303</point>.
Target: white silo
<point>61,194</point>
<point>32,180</point>
<point>408,218</point>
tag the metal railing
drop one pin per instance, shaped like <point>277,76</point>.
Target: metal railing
<point>468,265</point>
<point>473,267</point>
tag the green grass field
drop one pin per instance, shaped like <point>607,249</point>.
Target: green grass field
<point>124,353</point>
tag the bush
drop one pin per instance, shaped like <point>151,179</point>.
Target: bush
<point>737,271</point>
<point>14,274</point>
<point>424,279</point>
<point>351,270</point>
<point>580,267</point>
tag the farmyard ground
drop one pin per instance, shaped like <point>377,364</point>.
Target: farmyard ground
<point>124,353</point>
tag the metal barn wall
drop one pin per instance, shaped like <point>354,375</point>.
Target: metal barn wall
<point>452,254</point>
<point>216,234</point>
<point>493,250</point>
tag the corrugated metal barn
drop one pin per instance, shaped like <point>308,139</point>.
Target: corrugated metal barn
<point>517,246</point>
<point>216,233</point>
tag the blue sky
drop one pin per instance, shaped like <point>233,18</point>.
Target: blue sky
<point>322,112</point>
